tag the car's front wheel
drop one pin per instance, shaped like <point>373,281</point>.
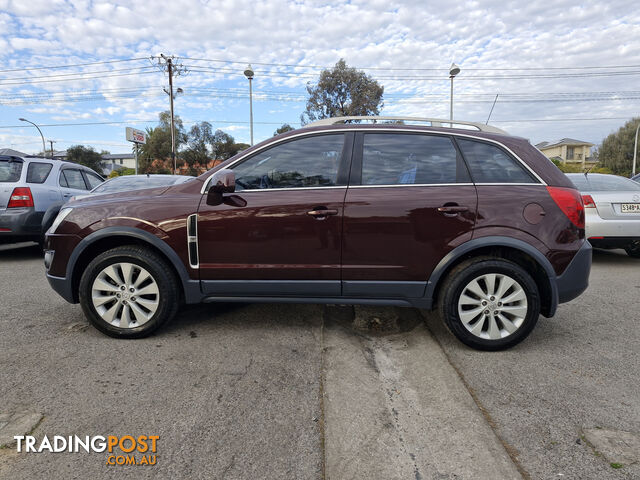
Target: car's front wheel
<point>128,292</point>
<point>489,303</point>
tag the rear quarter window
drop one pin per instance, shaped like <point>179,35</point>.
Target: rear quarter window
<point>490,164</point>
<point>10,171</point>
<point>38,172</point>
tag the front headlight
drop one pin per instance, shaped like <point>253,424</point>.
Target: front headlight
<point>61,216</point>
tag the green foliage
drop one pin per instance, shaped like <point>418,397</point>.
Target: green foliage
<point>284,128</point>
<point>616,151</point>
<point>598,168</point>
<point>122,171</point>
<point>158,146</point>
<point>86,156</point>
<point>224,146</point>
<point>342,91</point>
<point>566,168</point>
<point>197,152</point>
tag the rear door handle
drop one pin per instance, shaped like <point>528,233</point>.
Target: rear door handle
<point>322,213</point>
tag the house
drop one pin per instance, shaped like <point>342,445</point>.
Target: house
<point>12,153</point>
<point>117,161</point>
<point>569,151</point>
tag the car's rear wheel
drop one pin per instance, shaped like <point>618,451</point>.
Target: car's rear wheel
<point>128,292</point>
<point>633,249</point>
<point>489,303</point>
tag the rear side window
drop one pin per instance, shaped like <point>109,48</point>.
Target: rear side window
<point>10,171</point>
<point>398,159</point>
<point>73,179</point>
<point>38,172</point>
<point>490,164</point>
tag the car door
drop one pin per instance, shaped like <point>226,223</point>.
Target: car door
<point>71,183</point>
<point>409,202</point>
<point>280,233</point>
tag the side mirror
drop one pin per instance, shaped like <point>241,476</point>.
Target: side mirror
<point>223,181</point>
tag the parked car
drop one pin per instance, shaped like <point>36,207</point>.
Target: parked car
<point>636,178</point>
<point>612,207</point>
<point>476,223</point>
<point>29,185</point>
<point>113,185</point>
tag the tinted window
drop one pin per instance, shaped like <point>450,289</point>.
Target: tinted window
<point>94,180</point>
<point>10,171</point>
<point>74,179</point>
<point>307,162</point>
<point>38,172</point>
<point>394,159</point>
<point>490,164</point>
<point>580,182</point>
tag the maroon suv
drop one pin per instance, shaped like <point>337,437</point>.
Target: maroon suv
<point>476,223</point>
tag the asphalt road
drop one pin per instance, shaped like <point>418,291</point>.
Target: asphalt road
<point>239,391</point>
<point>578,370</point>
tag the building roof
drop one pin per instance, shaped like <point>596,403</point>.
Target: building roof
<point>563,141</point>
<point>11,152</point>
<point>117,156</point>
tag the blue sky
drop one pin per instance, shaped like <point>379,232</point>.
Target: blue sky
<point>566,69</point>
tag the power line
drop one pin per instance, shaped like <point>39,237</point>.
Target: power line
<point>72,65</point>
<point>79,73</point>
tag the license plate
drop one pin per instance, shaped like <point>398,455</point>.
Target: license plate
<point>630,207</point>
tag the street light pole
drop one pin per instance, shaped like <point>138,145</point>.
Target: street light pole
<point>44,147</point>
<point>453,71</point>
<point>249,74</point>
<point>635,152</point>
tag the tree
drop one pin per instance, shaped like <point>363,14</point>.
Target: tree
<point>616,151</point>
<point>223,146</point>
<point>158,146</point>
<point>197,153</point>
<point>342,91</point>
<point>86,156</point>
<point>284,128</point>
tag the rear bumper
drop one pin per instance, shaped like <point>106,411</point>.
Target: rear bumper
<point>596,226</point>
<point>575,278</point>
<point>20,223</point>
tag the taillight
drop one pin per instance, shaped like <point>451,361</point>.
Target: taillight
<point>570,202</point>
<point>21,197</point>
<point>588,201</point>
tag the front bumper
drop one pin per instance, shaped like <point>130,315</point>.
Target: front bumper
<point>63,287</point>
<point>575,279</point>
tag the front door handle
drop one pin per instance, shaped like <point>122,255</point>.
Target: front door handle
<point>453,209</point>
<point>322,213</point>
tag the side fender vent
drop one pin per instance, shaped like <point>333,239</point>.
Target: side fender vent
<point>192,240</point>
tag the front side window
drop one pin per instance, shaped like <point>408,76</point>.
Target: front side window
<point>94,180</point>
<point>490,164</point>
<point>306,162</point>
<point>73,179</point>
<point>397,159</point>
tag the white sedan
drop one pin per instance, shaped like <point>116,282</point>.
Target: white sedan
<point>612,210</point>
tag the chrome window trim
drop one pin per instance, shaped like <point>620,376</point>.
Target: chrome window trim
<point>205,185</point>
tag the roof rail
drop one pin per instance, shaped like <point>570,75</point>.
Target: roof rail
<point>435,122</point>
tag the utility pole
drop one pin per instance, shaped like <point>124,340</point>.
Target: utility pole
<point>165,63</point>
<point>52,142</point>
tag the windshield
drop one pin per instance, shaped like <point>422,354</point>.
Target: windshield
<point>604,183</point>
<point>10,170</point>
<point>122,184</point>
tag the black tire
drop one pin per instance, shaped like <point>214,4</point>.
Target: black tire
<point>633,249</point>
<point>454,286</point>
<point>168,297</point>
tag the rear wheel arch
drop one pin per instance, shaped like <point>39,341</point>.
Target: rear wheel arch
<point>516,251</point>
